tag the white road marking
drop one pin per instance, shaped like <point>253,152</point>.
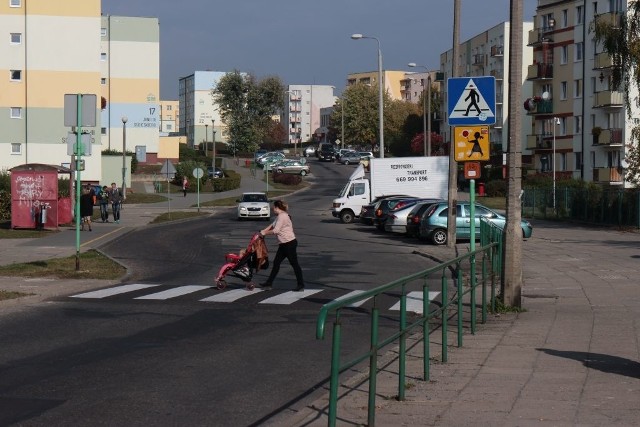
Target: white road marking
<point>351,294</point>
<point>174,292</point>
<point>232,295</point>
<point>414,301</point>
<point>290,297</point>
<point>103,293</point>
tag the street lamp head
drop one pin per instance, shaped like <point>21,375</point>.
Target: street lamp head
<point>412,64</point>
<point>124,119</point>
<point>356,36</point>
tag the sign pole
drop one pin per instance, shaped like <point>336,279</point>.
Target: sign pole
<point>78,154</point>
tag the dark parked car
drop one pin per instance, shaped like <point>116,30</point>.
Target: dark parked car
<point>368,212</point>
<point>383,208</point>
<point>433,225</point>
<point>219,173</point>
<point>349,158</point>
<point>414,218</point>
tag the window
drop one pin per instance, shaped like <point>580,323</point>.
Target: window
<point>565,19</point>
<point>169,107</point>
<point>564,54</point>
<point>593,84</point>
<point>593,159</point>
<point>577,125</point>
<point>563,125</point>
<point>579,51</point>
<point>103,131</point>
<point>16,38</point>
<point>15,3</point>
<point>579,15</point>
<point>169,126</point>
<point>103,32</point>
<point>16,112</point>
<point>563,90</point>
<point>577,88</point>
<point>16,75</point>
<point>563,162</point>
<point>103,81</point>
<point>578,160</point>
<point>595,8</point>
<point>16,148</point>
<point>103,56</point>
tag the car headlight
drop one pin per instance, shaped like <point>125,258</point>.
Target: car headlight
<point>242,209</point>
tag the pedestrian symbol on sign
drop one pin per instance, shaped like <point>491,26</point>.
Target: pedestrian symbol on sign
<point>468,104</point>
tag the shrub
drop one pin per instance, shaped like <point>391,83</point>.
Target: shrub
<point>286,178</point>
<point>230,182</point>
<point>497,188</point>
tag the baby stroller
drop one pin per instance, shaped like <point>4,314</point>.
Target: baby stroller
<point>242,265</point>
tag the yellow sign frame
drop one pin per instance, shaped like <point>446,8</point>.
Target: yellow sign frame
<point>471,143</point>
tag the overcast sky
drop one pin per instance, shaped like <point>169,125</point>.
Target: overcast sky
<point>306,41</point>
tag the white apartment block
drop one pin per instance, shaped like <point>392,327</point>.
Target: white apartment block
<point>58,48</point>
<point>487,54</point>
<point>302,117</point>
<point>580,123</point>
<point>199,114</point>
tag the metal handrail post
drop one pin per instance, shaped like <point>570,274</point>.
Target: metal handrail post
<point>403,344</point>
<point>426,303</point>
<point>373,367</point>
<point>473,293</point>
<point>459,300</point>
<point>484,288</point>
<point>335,372</point>
<point>445,316</point>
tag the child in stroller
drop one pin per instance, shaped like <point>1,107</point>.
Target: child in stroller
<point>255,257</point>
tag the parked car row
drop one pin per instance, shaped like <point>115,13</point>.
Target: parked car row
<point>427,219</point>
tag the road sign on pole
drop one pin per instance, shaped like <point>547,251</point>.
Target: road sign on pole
<point>471,101</point>
<point>471,143</point>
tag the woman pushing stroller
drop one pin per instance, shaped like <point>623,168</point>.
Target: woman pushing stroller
<point>282,228</point>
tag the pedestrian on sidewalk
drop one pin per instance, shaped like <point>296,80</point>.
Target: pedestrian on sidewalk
<point>185,185</point>
<point>115,198</point>
<point>282,228</point>
<point>104,203</point>
<point>86,208</point>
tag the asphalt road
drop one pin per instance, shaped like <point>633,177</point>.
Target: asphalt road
<point>170,352</point>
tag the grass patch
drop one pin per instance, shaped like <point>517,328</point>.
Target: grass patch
<point>174,216</point>
<point>93,265</point>
<point>5,295</point>
<point>6,232</point>
<point>227,201</point>
<point>139,198</point>
<point>493,202</point>
<point>502,308</point>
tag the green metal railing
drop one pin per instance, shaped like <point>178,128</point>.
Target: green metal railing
<point>461,269</point>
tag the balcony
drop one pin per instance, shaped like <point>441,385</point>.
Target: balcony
<point>614,19</point>
<point>609,138</point>
<point>602,61</point>
<point>539,36</point>
<point>540,71</point>
<point>541,107</point>
<point>478,59</point>
<point>497,50</point>
<point>539,142</point>
<point>607,99</point>
<point>607,176</point>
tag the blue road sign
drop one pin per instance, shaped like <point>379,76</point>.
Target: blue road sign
<point>471,101</point>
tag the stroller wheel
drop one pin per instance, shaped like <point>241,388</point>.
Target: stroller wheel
<point>251,286</point>
<point>221,284</point>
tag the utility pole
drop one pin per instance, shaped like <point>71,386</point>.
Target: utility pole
<point>512,282</point>
<point>453,165</point>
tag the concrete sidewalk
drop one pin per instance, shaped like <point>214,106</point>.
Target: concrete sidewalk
<point>572,358</point>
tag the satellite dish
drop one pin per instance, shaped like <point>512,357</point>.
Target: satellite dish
<point>624,163</point>
<point>546,96</point>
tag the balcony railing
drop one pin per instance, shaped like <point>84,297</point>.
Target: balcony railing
<point>539,142</point>
<point>540,71</point>
<point>497,50</point>
<point>607,175</point>
<point>613,99</point>
<point>611,18</point>
<point>610,137</point>
<point>542,107</point>
<point>602,60</point>
<point>540,35</point>
<point>478,59</point>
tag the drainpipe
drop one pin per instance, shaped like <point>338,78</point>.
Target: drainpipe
<point>26,88</point>
<point>584,84</point>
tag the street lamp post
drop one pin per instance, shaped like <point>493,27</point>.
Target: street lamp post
<point>426,111</point>
<point>556,121</point>
<point>342,128</point>
<point>206,136</point>
<point>213,158</point>
<point>124,156</point>
<point>287,114</point>
<point>380,95</point>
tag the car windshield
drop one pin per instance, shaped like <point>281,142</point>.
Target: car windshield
<point>254,198</point>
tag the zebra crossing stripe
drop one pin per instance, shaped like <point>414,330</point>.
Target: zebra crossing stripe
<point>232,295</point>
<point>290,297</point>
<point>103,293</point>
<point>174,292</point>
<point>414,301</point>
<point>351,294</point>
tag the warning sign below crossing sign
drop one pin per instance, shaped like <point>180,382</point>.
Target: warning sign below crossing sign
<point>471,143</point>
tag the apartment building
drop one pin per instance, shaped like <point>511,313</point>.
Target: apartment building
<point>169,117</point>
<point>303,104</point>
<point>392,81</point>
<point>413,84</point>
<point>580,123</point>
<point>199,115</point>
<point>487,54</point>
<point>130,81</point>
<point>49,49</point>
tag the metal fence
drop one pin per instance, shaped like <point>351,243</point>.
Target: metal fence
<point>456,280</point>
<point>615,207</point>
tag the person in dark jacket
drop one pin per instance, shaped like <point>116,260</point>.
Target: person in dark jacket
<point>116,199</point>
<point>104,204</point>
<point>86,208</point>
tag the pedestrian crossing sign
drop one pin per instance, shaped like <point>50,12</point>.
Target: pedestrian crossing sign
<point>471,101</point>
<point>471,143</point>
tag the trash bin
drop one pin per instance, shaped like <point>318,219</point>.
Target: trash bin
<point>247,163</point>
<point>481,192</point>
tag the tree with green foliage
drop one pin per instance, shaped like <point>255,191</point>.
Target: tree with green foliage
<point>246,106</point>
<point>620,38</point>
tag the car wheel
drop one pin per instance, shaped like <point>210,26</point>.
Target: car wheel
<point>279,171</point>
<point>439,237</point>
<point>303,173</point>
<point>346,162</point>
<point>346,217</point>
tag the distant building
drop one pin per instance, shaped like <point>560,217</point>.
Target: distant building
<point>391,81</point>
<point>413,84</point>
<point>302,119</point>
<point>169,117</point>
<point>199,113</point>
